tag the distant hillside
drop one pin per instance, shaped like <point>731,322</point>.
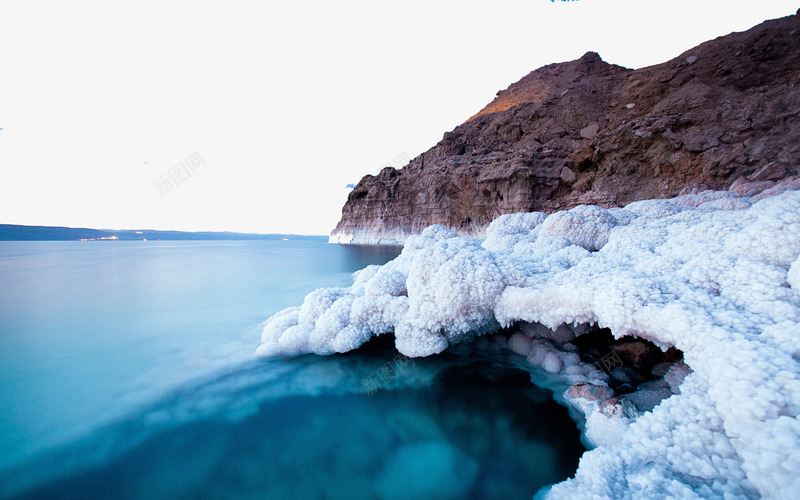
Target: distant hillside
<point>11,232</point>
<point>723,115</point>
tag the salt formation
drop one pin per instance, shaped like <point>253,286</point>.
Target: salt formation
<point>715,274</point>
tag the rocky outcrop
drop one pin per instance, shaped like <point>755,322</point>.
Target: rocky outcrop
<point>586,132</point>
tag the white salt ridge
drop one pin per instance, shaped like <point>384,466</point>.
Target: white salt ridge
<point>714,274</point>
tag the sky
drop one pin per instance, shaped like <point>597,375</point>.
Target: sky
<point>255,116</point>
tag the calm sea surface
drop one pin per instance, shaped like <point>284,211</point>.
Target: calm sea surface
<point>127,371</point>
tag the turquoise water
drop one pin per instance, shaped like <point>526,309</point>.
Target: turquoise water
<point>128,372</point>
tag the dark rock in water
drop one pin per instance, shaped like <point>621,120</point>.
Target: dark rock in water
<point>589,392</point>
<point>600,348</point>
<point>660,369</point>
<point>589,132</point>
<point>649,395</point>
<point>630,364</point>
<point>638,354</point>
<point>617,407</point>
<point>625,379</point>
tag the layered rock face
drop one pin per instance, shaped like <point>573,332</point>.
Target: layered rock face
<point>724,115</point>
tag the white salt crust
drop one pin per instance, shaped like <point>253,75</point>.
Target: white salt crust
<point>714,274</point>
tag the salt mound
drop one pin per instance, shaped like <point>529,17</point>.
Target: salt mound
<point>714,274</point>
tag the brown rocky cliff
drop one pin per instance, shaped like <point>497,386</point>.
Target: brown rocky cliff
<point>587,132</point>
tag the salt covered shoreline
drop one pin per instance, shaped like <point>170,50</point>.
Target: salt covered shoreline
<point>714,274</point>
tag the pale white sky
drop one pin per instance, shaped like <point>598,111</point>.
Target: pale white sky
<point>286,103</point>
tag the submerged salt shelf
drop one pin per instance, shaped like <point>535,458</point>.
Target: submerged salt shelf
<point>309,427</point>
<point>715,275</point>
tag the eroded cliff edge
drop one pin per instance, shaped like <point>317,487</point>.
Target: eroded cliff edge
<point>724,115</point>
